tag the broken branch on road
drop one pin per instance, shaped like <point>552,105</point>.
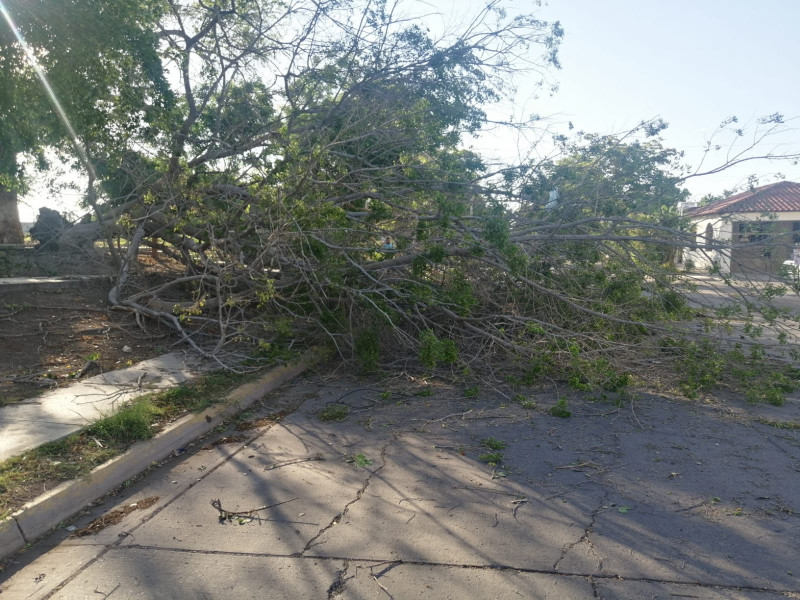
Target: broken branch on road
<point>245,516</point>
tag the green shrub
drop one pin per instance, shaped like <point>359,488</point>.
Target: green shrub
<point>434,351</point>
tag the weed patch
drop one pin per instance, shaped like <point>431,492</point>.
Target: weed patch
<point>491,458</point>
<point>791,425</point>
<point>131,423</point>
<point>199,394</point>
<point>560,409</point>
<point>525,402</point>
<point>24,477</point>
<point>588,375</point>
<point>493,444</point>
<point>471,392</point>
<point>359,460</point>
<point>334,412</point>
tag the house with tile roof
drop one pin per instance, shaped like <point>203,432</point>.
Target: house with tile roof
<point>748,233</point>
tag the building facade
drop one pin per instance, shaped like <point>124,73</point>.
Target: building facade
<point>753,232</point>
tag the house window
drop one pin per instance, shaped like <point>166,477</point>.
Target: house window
<point>796,232</point>
<point>709,236</point>
<point>755,232</point>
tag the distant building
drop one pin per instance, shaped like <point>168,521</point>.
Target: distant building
<point>761,226</point>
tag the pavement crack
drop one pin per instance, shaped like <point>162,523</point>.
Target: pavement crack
<point>337,587</point>
<point>586,537</point>
<point>338,518</point>
<point>118,542</point>
<point>396,562</point>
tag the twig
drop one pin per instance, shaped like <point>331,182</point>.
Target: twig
<point>688,508</point>
<point>227,514</point>
<point>633,412</point>
<point>448,416</point>
<point>90,364</point>
<point>482,489</point>
<point>32,378</point>
<point>569,489</point>
<point>381,586</point>
<point>579,465</point>
<point>517,504</point>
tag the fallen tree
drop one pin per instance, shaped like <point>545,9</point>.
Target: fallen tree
<point>312,187</point>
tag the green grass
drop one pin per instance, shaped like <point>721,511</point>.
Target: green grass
<point>197,395</point>
<point>525,402</point>
<point>130,424</point>
<point>49,465</point>
<point>24,477</point>
<point>334,412</point>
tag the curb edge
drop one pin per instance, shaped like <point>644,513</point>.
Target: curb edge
<point>46,512</point>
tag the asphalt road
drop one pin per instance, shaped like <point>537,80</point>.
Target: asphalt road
<point>659,498</point>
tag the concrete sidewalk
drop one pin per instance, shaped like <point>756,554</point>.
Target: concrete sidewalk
<point>62,411</point>
<point>660,499</point>
<point>39,284</point>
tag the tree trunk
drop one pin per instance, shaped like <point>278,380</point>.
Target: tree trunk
<point>10,227</point>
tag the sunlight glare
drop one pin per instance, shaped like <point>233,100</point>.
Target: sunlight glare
<point>53,98</point>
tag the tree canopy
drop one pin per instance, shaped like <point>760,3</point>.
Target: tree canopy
<point>100,59</point>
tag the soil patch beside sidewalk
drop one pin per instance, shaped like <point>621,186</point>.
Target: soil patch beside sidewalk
<point>48,337</point>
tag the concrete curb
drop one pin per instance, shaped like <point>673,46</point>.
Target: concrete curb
<point>43,514</point>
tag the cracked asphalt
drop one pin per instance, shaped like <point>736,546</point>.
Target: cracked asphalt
<point>659,498</point>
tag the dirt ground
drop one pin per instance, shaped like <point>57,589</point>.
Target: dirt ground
<point>47,337</point>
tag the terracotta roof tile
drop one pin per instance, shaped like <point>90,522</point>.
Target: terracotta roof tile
<point>775,197</point>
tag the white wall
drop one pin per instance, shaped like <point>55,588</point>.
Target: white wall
<point>723,231</point>
<point>704,258</point>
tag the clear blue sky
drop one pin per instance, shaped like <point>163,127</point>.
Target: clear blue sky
<point>691,62</point>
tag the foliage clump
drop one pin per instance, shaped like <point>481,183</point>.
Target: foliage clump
<point>334,412</point>
<point>559,409</point>
<point>434,351</point>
